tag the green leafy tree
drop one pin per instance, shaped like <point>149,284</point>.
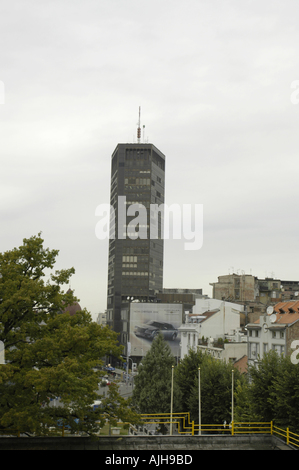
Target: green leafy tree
<point>263,385</point>
<point>186,373</point>
<point>115,408</point>
<point>284,397</point>
<point>242,410</point>
<point>216,391</point>
<point>48,353</point>
<point>271,393</point>
<point>152,387</point>
<point>274,391</point>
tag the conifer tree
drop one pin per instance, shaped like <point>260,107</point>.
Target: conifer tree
<point>262,386</point>
<point>186,373</point>
<point>152,390</point>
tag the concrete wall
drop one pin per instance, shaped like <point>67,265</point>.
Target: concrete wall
<point>141,443</point>
<point>232,351</point>
<point>235,287</point>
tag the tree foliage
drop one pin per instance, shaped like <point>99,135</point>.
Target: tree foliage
<point>262,386</point>
<point>48,353</point>
<point>284,399</point>
<point>186,374</point>
<point>216,391</point>
<point>269,392</point>
<point>152,390</point>
<point>272,392</point>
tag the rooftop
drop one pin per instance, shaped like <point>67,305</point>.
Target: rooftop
<point>286,312</point>
<point>241,364</point>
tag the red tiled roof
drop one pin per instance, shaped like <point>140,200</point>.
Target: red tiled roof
<point>286,312</point>
<point>206,314</point>
<point>241,364</point>
<point>286,306</point>
<point>72,309</point>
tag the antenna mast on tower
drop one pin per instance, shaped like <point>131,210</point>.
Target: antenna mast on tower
<point>139,128</point>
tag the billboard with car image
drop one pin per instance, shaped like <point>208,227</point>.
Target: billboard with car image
<point>148,319</point>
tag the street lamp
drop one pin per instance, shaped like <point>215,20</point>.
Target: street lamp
<point>128,357</point>
<point>232,395</point>
<point>2,353</point>
<point>171,403</point>
<point>199,404</point>
<point>128,366</point>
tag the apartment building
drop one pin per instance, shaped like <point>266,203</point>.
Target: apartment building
<point>275,330</point>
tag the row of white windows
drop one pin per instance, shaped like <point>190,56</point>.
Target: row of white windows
<point>275,334</point>
<point>135,273</point>
<point>140,181</point>
<point>254,349</point>
<point>129,259</point>
<point>134,265</point>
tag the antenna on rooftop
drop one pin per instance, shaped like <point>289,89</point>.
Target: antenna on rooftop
<point>139,128</point>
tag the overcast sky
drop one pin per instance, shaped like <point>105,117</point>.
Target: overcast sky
<point>214,82</point>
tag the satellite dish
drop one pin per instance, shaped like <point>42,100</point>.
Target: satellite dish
<point>273,318</point>
<point>270,310</point>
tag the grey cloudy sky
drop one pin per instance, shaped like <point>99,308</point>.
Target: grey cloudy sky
<point>213,79</point>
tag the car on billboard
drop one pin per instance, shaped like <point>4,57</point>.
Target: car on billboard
<point>151,328</point>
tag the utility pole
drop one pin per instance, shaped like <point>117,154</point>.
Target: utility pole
<point>171,404</point>
<point>199,404</point>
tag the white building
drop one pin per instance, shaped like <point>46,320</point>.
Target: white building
<point>274,331</point>
<point>212,319</point>
<point>102,318</point>
<point>230,352</point>
<point>220,318</point>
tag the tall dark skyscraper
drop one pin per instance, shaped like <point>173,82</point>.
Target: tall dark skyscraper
<point>135,267</point>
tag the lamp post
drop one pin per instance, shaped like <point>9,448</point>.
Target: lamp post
<point>199,404</point>
<point>128,357</point>
<point>171,402</point>
<point>128,366</point>
<point>2,353</point>
<point>232,395</point>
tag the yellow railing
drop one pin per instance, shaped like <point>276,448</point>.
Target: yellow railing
<point>177,418</point>
<point>290,437</point>
<point>186,426</point>
<point>252,428</point>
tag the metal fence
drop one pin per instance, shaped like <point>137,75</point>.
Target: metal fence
<point>290,437</point>
<point>186,426</point>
